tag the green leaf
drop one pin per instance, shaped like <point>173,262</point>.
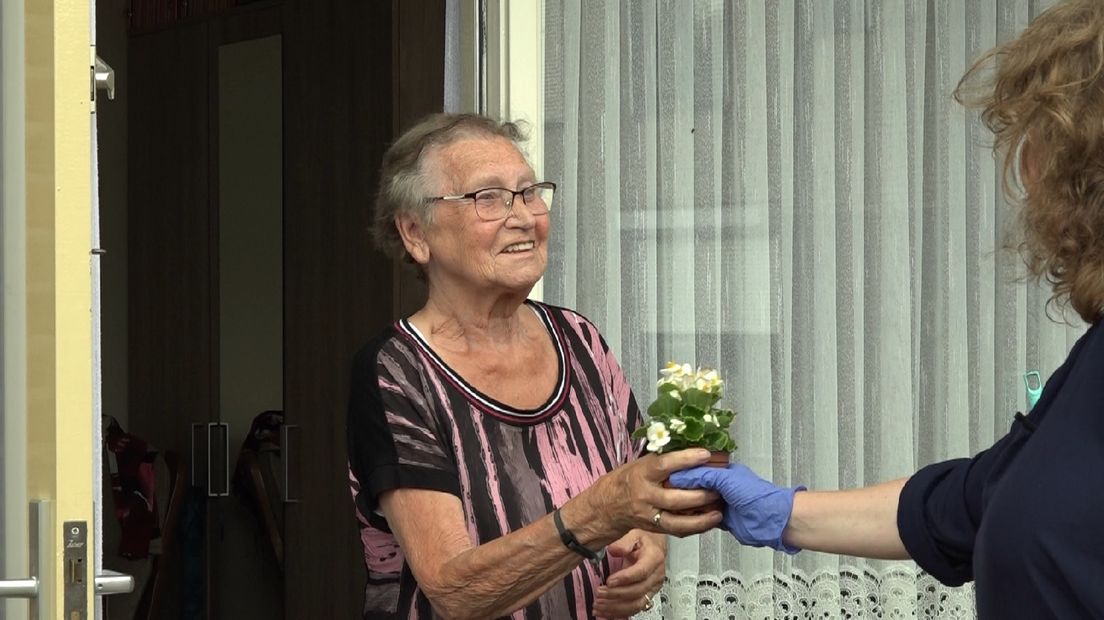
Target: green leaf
<point>640,433</point>
<point>699,399</point>
<point>664,407</point>
<point>724,417</point>
<point>717,440</point>
<point>691,412</point>
<point>694,429</point>
<point>667,388</point>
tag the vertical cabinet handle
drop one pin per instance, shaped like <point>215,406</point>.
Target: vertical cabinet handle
<point>214,448</point>
<point>285,447</point>
<point>225,429</point>
<point>193,468</point>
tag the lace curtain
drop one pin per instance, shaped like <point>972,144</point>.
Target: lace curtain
<point>786,190</point>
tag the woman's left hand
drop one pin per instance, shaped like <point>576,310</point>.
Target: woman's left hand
<point>636,586</point>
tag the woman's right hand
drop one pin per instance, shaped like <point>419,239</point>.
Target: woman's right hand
<point>633,497</point>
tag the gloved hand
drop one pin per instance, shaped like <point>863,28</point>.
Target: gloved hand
<point>756,511</point>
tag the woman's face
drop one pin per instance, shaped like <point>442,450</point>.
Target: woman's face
<point>463,250</point>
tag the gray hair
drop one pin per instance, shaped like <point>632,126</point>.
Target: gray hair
<point>403,179</point>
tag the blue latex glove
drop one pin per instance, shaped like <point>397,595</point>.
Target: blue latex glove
<point>756,512</point>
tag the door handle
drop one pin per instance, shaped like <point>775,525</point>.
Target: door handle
<point>41,556</point>
<point>223,445</point>
<point>19,588</point>
<point>112,582</point>
<point>106,583</point>
<point>225,490</point>
<point>285,456</point>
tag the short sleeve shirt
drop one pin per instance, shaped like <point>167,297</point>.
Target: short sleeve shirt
<point>415,423</point>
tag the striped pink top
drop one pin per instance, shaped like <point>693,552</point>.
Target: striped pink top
<point>415,423</point>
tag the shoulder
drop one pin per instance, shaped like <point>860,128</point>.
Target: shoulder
<point>569,319</point>
<point>1090,347</point>
<point>389,358</point>
<point>388,343</point>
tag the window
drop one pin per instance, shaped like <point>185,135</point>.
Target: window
<point>787,191</point>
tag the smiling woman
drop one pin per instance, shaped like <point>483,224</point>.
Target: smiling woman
<point>489,436</point>
<point>472,249</point>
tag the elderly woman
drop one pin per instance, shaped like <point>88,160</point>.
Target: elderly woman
<point>1023,519</point>
<point>489,436</point>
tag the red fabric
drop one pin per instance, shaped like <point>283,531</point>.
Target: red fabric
<point>134,489</point>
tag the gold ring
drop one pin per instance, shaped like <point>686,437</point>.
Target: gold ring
<point>656,519</point>
<point>647,602</point>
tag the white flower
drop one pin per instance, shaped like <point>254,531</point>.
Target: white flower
<point>706,380</point>
<point>658,436</point>
<point>709,418</point>
<point>679,375</point>
<point>670,370</point>
<point>677,425</point>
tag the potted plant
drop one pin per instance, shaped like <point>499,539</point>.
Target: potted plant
<point>685,414</point>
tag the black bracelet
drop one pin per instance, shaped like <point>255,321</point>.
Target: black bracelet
<point>567,537</point>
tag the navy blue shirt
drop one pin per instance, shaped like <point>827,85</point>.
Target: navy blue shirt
<point>1025,518</point>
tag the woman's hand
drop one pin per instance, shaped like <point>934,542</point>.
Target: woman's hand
<point>635,587</point>
<point>633,497</point>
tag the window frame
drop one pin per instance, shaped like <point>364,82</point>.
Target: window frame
<point>508,76</point>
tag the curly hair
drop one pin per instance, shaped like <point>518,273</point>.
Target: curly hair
<point>404,179</point>
<point>1042,96</point>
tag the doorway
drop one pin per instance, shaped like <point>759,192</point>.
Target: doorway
<point>244,281</point>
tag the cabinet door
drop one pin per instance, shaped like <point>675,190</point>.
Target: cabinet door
<point>171,326</point>
<point>246,544</point>
<point>205,284</point>
<point>172,337</point>
<point>337,289</point>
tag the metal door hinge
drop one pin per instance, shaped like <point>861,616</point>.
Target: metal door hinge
<point>103,78</point>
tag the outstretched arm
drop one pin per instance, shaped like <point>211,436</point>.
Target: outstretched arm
<point>859,522</point>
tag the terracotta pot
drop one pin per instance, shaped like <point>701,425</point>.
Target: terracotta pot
<point>718,459</point>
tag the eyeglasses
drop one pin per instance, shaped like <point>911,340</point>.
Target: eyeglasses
<point>496,203</point>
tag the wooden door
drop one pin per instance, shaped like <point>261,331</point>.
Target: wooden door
<point>172,337</point>
<point>337,289</point>
<point>172,333</point>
